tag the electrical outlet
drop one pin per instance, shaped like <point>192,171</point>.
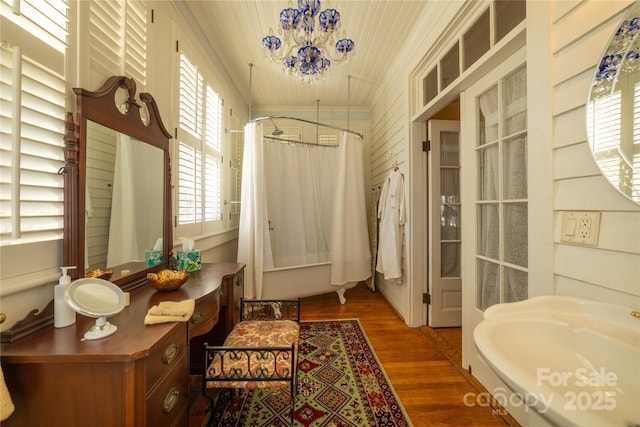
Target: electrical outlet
<point>584,228</point>
<point>580,228</point>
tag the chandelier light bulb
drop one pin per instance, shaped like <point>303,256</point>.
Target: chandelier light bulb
<point>308,47</point>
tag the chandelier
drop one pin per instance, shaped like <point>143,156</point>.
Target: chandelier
<point>307,47</point>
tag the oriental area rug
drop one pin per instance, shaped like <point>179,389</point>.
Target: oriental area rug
<point>341,383</point>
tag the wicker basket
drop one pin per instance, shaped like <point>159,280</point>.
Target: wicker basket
<point>167,280</point>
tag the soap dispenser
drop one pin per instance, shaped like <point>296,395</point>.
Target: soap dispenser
<point>63,314</point>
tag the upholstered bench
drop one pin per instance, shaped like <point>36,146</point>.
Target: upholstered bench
<point>259,352</point>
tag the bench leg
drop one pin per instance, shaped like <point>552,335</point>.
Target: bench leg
<point>293,405</point>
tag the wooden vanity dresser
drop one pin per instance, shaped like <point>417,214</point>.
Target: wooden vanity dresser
<point>137,377</point>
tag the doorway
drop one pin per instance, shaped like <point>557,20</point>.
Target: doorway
<point>444,301</point>
<point>441,171</point>
<point>442,318</point>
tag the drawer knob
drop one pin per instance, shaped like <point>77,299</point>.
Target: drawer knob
<point>170,353</point>
<point>197,316</point>
<point>170,400</point>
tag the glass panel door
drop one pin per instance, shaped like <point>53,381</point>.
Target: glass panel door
<point>501,206</point>
<point>445,276</point>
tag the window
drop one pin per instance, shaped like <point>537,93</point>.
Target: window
<point>450,66</point>
<point>430,86</point>
<point>476,40</point>
<point>508,14</point>
<point>32,110</point>
<point>499,19</point>
<point>199,152</point>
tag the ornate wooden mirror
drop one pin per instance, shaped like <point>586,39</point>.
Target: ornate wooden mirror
<point>117,186</point>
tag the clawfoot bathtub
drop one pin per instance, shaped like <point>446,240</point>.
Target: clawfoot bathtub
<point>301,281</point>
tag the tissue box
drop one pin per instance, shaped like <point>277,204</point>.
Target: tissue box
<point>189,260</point>
<point>152,257</point>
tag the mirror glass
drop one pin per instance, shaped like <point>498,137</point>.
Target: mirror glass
<point>95,297</point>
<point>124,198</point>
<point>613,108</point>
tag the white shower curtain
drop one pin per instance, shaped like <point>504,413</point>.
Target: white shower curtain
<point>300,182</point>
<point>254,246</point>
<point>313,200</point>
<point>350,251</point>
<point>123,244</point>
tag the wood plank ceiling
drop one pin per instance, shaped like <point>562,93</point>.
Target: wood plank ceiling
<point>234,30</point>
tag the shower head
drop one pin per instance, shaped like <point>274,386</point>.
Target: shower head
<point>277,131</point>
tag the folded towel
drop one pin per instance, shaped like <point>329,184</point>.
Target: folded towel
<point>170,311</point>
<point>6,404</point>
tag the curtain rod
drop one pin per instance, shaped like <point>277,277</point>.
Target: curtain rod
<point>293,141</point>
<point>307,121</point>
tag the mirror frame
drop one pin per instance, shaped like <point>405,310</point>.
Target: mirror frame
<point>100,107</point>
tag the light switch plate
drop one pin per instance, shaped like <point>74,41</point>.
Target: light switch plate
<point>580,228</point>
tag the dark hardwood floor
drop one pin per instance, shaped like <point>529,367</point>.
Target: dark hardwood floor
<point>423,364</point>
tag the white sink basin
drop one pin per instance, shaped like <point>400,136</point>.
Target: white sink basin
<point>576,361</point>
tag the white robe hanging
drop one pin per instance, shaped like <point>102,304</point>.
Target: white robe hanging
<point>392,218</point>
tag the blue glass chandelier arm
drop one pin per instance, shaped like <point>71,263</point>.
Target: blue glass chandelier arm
<point>309,7</point>
<point>271,43</point>
<point>308,25</point>
<point>329,20</point>
<point>309,54</point>
<point>345,45</point>
<point>290,19</point>
<point>290,62</point>
<point>344,49</point>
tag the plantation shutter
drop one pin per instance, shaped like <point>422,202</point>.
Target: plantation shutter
<point>32,110</point>
<point>235,181</point>
<point>118,41</point>
<point>213,169</point>
<point>189,154</point>
<point>199,152</point>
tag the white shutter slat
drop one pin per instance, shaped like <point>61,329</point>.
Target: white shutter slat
<point>214,115</point>
<point>212,192</point>
<point>189,194</point>
<point>48,17</point>
<point>136,41</point>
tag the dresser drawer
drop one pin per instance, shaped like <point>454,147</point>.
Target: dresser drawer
<point>204,314</point>
<point>164,356</point>
<point>171,396</point>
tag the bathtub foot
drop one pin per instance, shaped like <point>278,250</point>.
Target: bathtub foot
<point>341,297</point>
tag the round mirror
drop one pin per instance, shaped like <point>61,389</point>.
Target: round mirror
<point>613,108</point>
<point>96,298</point>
